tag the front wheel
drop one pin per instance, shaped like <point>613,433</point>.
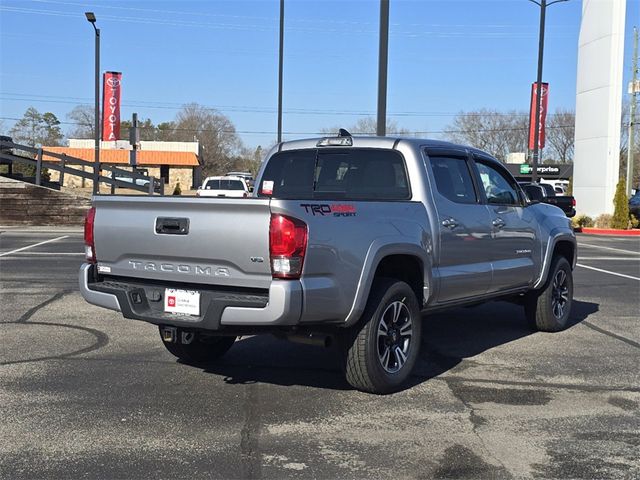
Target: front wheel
<point>194,348</point>
<point>548,310</point>
<point>383,349</point>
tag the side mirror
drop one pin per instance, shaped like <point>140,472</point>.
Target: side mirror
<point>535,193</point>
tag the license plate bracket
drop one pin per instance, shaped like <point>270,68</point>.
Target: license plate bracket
<point>182,302</point>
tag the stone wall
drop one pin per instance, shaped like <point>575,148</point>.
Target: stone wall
<point>27,204</point>
<point>184,175</point>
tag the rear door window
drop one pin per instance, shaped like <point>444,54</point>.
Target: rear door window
<point>352,174</point>
<point>453,178</point>
<point>212,185</point>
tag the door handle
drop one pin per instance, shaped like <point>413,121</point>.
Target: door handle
<point>449,223</point>
<point>498,223</point>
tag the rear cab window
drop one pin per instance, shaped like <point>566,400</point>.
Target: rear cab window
<point>224,185</point>
<point>351,174</point>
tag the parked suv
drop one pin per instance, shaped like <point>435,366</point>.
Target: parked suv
<point>346,239</point>
<point>226,186</point>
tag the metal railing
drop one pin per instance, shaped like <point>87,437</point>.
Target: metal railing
<point>150,185</point>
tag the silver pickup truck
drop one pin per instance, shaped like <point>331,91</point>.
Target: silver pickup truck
<point>345,239</point>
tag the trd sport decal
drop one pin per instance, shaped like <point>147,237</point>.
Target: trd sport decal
<point>334,209</point>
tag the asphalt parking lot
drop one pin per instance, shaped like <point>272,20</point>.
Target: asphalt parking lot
<point>86,393</point>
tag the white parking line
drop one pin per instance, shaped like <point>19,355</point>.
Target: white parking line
<point>31,246</point>
<point>580,244</point>
<point>607,271</point>
<point>633,259</point>
<point>51,254</point>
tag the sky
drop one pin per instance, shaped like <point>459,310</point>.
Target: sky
<point>445,56</point>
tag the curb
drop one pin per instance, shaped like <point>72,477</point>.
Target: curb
<point>609,231</point>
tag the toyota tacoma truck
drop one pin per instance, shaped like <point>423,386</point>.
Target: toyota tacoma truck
<point>345,239</point>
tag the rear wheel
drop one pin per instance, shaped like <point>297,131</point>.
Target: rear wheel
<point>382,350</point>
<point>194,348</point>
<point>548,310</point>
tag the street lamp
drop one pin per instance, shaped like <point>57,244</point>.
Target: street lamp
<point>96,165</point>
<point>280,55</point>
<point>383,54</point>
<point>536,135</point>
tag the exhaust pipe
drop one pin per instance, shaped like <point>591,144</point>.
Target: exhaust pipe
<point>317,339</point>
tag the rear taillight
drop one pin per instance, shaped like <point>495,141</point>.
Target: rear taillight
<point>89,241</point>
<point>287,246</point>
<point>573,202</point>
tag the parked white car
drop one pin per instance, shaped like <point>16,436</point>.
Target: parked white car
<point>226,186</point>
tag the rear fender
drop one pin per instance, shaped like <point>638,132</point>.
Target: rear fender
<point>378,250</point>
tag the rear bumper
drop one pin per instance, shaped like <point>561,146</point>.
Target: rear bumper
<point>143,300</point>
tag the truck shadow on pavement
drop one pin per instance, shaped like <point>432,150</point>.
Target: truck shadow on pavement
<point>449,338</point>
<point>452,337</point>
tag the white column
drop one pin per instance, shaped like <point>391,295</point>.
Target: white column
<point>598,105</point>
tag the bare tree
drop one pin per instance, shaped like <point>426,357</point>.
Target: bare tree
<point>367,126</point>
<point>624,146</point>
<point>560,135</point>
<point>498,133</point>
<point>215,132</point>
<point>83,117</point>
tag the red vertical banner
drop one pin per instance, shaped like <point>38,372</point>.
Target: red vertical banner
<point>111,93</point>
<point>542,119</point>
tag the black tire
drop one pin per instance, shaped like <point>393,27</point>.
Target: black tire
<point>549,309</point>
<point>201,350</point>
<point>372,360</point>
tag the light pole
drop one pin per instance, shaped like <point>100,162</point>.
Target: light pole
<point>383,54</point>
<point>280,52</point>
<point>96,159</point>
<point>633,90</point>
<point>536,135</point>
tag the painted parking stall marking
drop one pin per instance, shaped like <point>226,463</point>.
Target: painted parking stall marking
<point>32,246</point>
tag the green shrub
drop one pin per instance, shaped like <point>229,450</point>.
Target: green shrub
<point>177,190</point>
<point>635,222</point>
<point>620,206</point>
<point>581,221</point>
<point>604,220</point>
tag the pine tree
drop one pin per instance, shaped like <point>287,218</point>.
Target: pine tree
<point>621,206</point>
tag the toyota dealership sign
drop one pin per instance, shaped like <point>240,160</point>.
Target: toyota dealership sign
<point>111,94</point>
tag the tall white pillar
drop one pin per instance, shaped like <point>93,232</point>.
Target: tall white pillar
<point>598,105</point>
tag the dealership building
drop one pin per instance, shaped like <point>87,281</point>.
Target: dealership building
<point>173,161</point>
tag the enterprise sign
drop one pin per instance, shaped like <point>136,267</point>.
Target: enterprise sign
<point>525,169</point>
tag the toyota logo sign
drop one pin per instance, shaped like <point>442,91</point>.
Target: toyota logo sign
<point>113,82</point>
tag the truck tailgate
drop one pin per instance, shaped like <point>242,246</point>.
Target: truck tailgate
<point>184,239</point>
